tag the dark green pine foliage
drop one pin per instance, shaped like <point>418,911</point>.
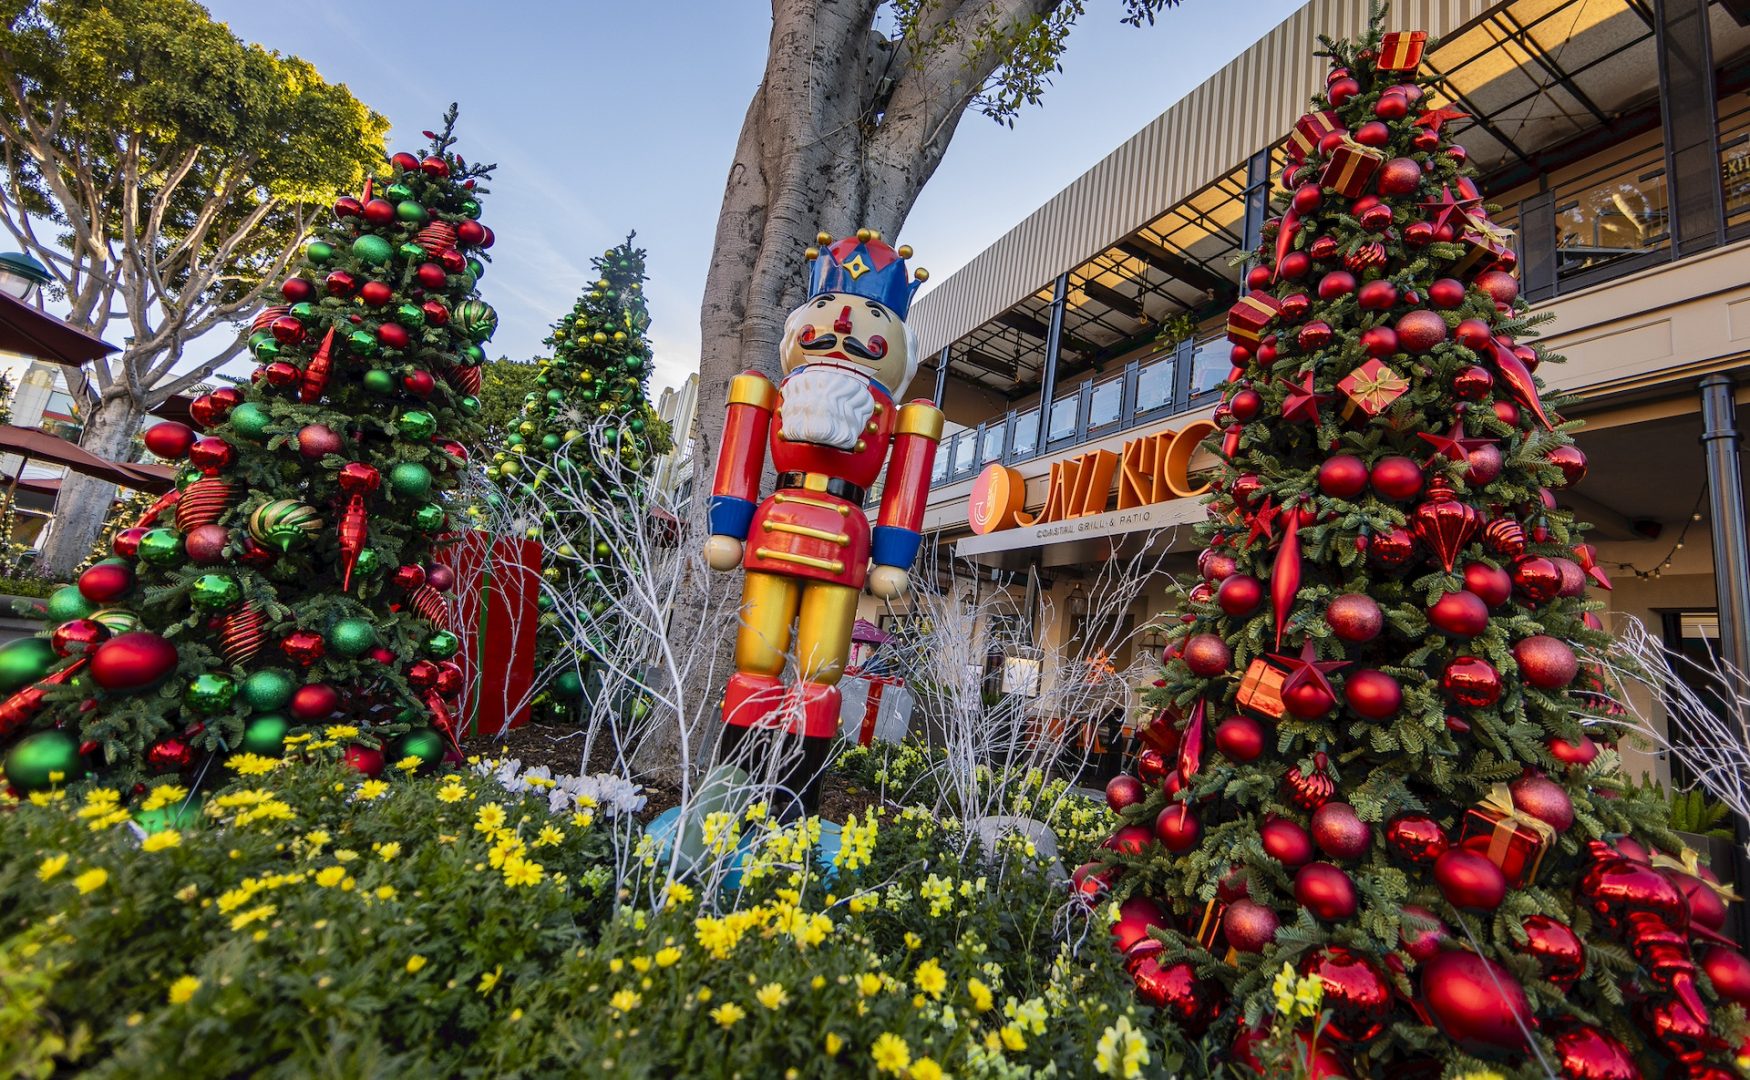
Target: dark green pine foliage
<point>291,576</point>
<point>586,440</point>
<point>1291,833</point>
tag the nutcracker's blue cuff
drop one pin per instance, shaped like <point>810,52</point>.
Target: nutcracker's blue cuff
<point>894,546</point>
<point>730,516</point>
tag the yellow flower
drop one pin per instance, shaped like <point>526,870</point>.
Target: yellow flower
<point>316,838</point>
<point>667,957</point>
<point>389,851</point>
<point>1122,1051</point>
<point>550,835</point>
<point>330,876</point>
<point>158,841</point>
<point>982,998</point>
<point>521,871</point>
<point>890,1053</point>
<point>372,789</point>
<point>253,915</point>
<point>156,799</point>
<point>930,978</point>
<point>91,880</point>
<point>678,893</point>
<point>624,1000</point>
<point>253,764</point>
<point>340,731</point>
<point>728,1014</point>
<point>51,866</point>
<point>183,989</point>
<point>414,963</point>
<point>772,996</point>
<point>489,818</point>
<point>489,979</point>
<point>410,763</point>
<point>868,984</point>
<point>1012,1038</point>
<point>925,1069</point>
<point>833,1044</point>
<point>912,941</point>
<point>385,892</point>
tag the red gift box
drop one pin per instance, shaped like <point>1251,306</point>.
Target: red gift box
<point>1512,840</point>
<point>1247,319</point>
<point>1372,386</point>
<point>1308,131</point>
<point>1351,168</point>
<point>1401,50</point>
<point>1260,690</point>
<point>498,583</point>
<point>1485,243</point>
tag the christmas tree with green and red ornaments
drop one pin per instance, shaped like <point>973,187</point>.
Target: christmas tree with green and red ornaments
<point>1369,761</point>
<point>294,578</point>
<point>580,452</point>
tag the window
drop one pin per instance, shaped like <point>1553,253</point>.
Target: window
<point>1617,210</point>
<point>1106,403</point>
<point>1695,637</point>
<point>944,453</point>
<point>993,442</point>
<point>1063,417</point>
<point>1735,158</point>
<point>1025,442</point>
<point>1154,385</point>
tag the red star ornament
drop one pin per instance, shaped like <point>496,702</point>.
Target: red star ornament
<point>1450,206</point>
<point>1434,119</point>
<point>1307,666</point>
<point>1262,522</point>
<point>1453,445</point>
<point>1303,401</point>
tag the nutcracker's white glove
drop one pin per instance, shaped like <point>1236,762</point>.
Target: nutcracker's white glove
<point>722,552</point>
<point>887,582</point>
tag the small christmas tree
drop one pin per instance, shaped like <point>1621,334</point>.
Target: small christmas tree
<point>291,579</point>
<point>1369,762</point>
<point>588,435</point>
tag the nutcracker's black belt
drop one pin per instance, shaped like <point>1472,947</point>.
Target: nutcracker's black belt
<point>840,489</point>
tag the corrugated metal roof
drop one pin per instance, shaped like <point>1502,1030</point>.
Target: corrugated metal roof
<point>1244,107</point>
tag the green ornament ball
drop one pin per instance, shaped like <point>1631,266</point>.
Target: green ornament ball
<point>369,562</point>
<point>352,637</point>
<point>266,350</point>
<point>410,480</point>
<point>373,249</point>
<point>304,309</point>
<point>441,645</point>
<point>398,192</point>
<point>161,547</point>
<point>470,208</point>
<point>214,592</point>
<point>319,251</point>
<point>266,735</point>
<point>471,405</point>
<point>378,381</point>
<point>569,685</point>
<point>24,661</point>
<point>544,602</point>
<point>362,343</point>
<point>549,442</point>
<point>67,603</point>
<point>410,211</point>
<point>476,269</point>
<point>117,620</point>
<point>555,396</point>
<point>423,743</point>
<point>429,518</point>
<point>181,814</point>
<point>410,315</point>
<point>209,693</point>
<point>44,760</point>
<point>250,421</point>
<point>269,690</point>
<point>473,355</point>
<point>417,424</point>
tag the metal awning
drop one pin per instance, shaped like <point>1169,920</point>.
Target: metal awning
<point>25,330</point>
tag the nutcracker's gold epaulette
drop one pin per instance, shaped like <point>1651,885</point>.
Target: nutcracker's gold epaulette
<point>752,388</point>
<point>919,418</point>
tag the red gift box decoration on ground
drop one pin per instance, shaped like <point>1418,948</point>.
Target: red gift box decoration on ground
<point>1512,840</point>
<point>1247,319</point>
<point>1308,131</point>
<point>1261,690</point>
<point>1401,50</point>
<point>1373,386</point>
<point>498,581</point>
<point>1351,169</point>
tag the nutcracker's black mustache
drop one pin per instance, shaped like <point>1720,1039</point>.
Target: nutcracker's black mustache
<point>874,350</point>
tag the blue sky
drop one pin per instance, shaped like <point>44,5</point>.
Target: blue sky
<point>606,116</point>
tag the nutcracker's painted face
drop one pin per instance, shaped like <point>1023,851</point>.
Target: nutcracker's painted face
<point>852,331</point>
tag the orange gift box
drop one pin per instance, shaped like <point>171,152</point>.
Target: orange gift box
<point>1373,386</point>
<point>1512,840</point>
<point>1351,168</point>
<point>1261,690</point>
<point>1401,50</point>
<point>1308,131</point>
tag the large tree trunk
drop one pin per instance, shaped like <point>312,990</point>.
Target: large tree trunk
<point>84,502</point>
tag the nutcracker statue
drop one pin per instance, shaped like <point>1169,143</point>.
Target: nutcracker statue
<point>830,421</point>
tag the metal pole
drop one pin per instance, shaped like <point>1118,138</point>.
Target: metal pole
<point>942,374</point>
<point>1053,345</point>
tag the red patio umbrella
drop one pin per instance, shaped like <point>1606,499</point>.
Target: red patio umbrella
<point>24,329</point>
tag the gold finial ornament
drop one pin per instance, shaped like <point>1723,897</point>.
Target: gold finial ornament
<point>904,251</point>
<point>865,235</point>
<point>921,274</point>
<point>812,254</point>
<point>823,239</point>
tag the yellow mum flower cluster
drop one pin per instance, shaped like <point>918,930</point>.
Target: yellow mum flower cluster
<point>102,808</point>
<point>1297,997</point>
<point>1121,1051</point>
<point>857,841</point>
<point>252,805</point>
<point>253,764</point>
<point>232,899</point>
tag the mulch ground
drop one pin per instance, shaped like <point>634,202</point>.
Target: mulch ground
<point>561,748</point>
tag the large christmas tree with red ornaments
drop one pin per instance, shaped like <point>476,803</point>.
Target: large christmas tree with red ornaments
<point>1375,760</point>
<point>293,578</point>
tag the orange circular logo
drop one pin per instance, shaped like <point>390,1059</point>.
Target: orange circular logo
<point>996,498</point>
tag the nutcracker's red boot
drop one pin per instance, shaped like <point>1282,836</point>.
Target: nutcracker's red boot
<point>749,704</point>
<point>812,710</point>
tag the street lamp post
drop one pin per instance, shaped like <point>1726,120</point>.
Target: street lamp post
<point>22,277</point>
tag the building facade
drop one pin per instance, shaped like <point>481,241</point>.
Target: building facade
<point>1077,358</point>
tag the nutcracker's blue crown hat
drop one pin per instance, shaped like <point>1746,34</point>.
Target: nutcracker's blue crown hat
<point>864,265</point>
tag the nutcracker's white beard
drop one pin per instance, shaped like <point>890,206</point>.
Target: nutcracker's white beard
<point>826,405</point>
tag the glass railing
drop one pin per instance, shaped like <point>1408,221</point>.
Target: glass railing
<point>1735,161</point>
<point>1614,212</point>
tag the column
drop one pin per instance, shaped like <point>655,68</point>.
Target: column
<point>942,374</point>
<point>1692,152</point>
<point>1053,345</point>
<point>1721,438</point>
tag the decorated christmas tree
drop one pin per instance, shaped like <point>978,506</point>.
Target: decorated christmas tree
<point>581,450</point>
<point>293,578</point>
<point>1374,760</point>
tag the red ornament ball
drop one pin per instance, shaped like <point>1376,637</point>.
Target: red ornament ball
<point>1339,831</point>
<point>212,455</point>
<point>1326,891</point>
<point>1315,335</point>
<point>281,374</point>
<point>1308,700</point>
<point>1373,133</point>
<point>1378,295</point>
<point>1392,549</point>
<point>1294,306</point>
<point>1135,916</point>
<point>1294,265</point>
<point>1377,218</point>
<point>1706,908</point>
<point>1241,738</point>
<point>1258,277</point>
<point>133,661</point>
<point>1545,800</point>
<point>317,701</point>
<point>434,166</point>
<point>1415,838</point>
<point>1379,341</point>
<point>1506,412</point>
<point>430,276</point>
<point>205,544</point>
<point>364,759</point>
<point>1475,335</point>
<point>1130,840</point>
<point>1446,293</point>
<point>106,582</point>
<point>316,441</point>
<point>1585,1053</point>
<point>1473,383</point>
<point>1218,565</point>
<point>1341,90</point>
<point>1501,286</point>
<point>1459,614</point>
<point>1207,655</point>
<point>1538,579</point>
<point>1337,283</point>
<point>1469,881</point>
<point>1476,1002</point>
<point>1286,842</point>
<point>1483,465</point>
<point>471,233</point>
<point>1729,971</point>
<point>1356,993</point>
<point>1176,828</point>
<point>1373,694</point>
<point>1249,926</point>
<point>1393,105</point>
<point>1397,477</point>
<point>76,637</point>
<point>419,383</point>
<point>169,440</point>
<point>1343,476</point>
<point>1324,248</point>
<point>1187,1002</point>
<point>1123,792</point>
<point>1399,176</point>
<point>1492,585</point>
<point>1421,330</point>
<point>1546,662</point>
<point>379,211</point>
<point>1471,681</point>
<point>1420,931</point>
<point>127,542</point>
<point>1245,405</point>
<point>1355,617</point>
<point>1570,459</point>
<point>340,283</point>
<point>1240,595</point>
<point>376,293</point>
<point>403,161</point>
<point>1583,752</point>
<point>1418,234</point>
<point>393,335</point>
<point>303,646</point>
<point>1557,949</point>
